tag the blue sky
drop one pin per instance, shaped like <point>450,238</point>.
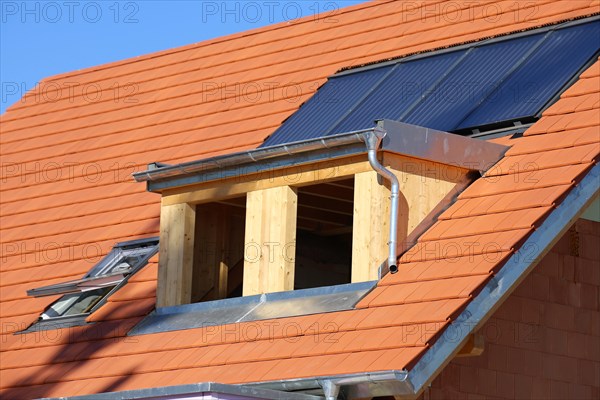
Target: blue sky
<point>44,38</point>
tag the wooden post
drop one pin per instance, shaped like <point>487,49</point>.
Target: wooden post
<point>175,265</point>
<point>370,226</point>
<point>423,184</point>
<point>270,240</point>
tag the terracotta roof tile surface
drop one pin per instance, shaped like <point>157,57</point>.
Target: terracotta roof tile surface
<point>67,197</point>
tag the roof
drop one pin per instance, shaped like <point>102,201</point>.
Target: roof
<point>67,197</point>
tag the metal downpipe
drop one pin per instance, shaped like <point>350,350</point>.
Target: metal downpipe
<point>373,141</point>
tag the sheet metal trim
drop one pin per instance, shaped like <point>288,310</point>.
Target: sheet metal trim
<point>184,391</point>
<point>250,156</point>
<point>254,308</point>
<point>78,285</point>
<point>441,147</point>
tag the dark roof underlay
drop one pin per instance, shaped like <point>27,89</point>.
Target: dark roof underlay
<point>487,85</point>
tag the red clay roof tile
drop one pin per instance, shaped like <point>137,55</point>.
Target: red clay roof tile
<point>445,268</point>
<point>553,141</point>
<point>465,246</point>
<point>491,222</point>
<point>525,181</point>
<point>425,291</point>
<point>521,200</point>
<point>583,87</point>
<point>395,359</point>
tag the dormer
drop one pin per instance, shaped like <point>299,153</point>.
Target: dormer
<point>322,212</point>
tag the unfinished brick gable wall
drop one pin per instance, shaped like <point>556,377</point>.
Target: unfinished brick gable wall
<point>544,341</point>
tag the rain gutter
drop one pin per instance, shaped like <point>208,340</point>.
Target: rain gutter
<point>254,161</point>
<point>395,137</point>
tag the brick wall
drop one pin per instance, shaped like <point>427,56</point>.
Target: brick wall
<point>544,341</point>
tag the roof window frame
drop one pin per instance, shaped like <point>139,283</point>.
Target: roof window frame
<point>92,280</point>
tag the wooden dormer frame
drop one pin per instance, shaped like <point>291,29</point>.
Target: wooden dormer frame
<point>271,206</point>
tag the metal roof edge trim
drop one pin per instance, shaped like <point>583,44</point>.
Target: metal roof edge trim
<point>266,166</point>
<point>505,281</point>
<point>193,389</point>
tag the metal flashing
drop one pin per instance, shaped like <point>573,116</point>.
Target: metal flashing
<point>78,285</point>
<point>56,323</point>
<point>498,133</point>
<point>259,167</point>
<point>441,147</point>
<point>185,391</point>
<point>149,241</point>
<point>254,308</point>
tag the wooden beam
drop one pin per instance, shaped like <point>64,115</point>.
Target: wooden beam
<point>324,216</point>
<point>329,191</point>
<point>301,175</point>
<point>270,240</point>
<point>323,203</point>
<point>474,346</point>
<point>370,226</point>
<point>175,265</point>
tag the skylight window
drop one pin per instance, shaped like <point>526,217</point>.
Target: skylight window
<point>83,296</point>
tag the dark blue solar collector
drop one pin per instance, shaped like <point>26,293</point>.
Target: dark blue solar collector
<point>487,85</point>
